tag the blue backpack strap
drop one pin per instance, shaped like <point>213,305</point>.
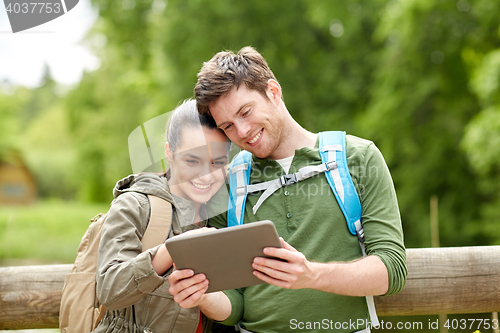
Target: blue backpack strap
<point>239,178</point>
<point>332,146</point>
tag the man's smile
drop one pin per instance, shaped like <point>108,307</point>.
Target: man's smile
<point>256,137</point>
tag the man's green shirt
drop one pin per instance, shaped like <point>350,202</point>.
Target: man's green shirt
<point>307,215</point>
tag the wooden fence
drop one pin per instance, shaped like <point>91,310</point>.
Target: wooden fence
<point>440,280</point>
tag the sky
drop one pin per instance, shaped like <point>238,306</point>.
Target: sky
<point>57,43</point>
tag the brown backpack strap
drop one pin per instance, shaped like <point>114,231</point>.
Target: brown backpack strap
<point>155,234</point>
<point>159,222</point>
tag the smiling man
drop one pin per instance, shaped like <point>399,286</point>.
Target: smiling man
<point>323,274</point>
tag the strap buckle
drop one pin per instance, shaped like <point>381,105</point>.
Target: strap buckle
<point>331,165</point>
<point>241,190</point>
<point>288,179</point>
<point>361,236</point>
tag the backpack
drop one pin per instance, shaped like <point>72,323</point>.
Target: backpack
<point>332,149</point>
<point>80,310</point>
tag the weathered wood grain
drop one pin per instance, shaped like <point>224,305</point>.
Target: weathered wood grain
<point>30,296</point>
<point>440,280</point>
<point>447,281</point>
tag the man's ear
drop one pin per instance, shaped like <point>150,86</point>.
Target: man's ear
<point>273,91</point>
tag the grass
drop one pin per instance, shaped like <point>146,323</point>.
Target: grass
<point>44,233</point>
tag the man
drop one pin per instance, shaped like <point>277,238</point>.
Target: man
<point>320,285</point>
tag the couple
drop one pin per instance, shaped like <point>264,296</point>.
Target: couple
<point>324,278</point>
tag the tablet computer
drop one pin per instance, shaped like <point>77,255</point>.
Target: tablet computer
<point>224,255</point>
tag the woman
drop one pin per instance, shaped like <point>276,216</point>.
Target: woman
<point>132,285</point>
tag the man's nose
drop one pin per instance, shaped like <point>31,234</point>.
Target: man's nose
<point>243,129</point>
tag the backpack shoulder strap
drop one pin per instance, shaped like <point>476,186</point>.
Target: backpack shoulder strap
<point>332,147</point>
<point>157,230</point>
<point>239,178</point>
<point>159,222</point>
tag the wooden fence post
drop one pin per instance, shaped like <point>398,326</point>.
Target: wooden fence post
<point>449,280</point>
<point>30,296</point>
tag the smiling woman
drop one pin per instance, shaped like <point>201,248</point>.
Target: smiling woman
<point>197,152</point>
<point>131,281</point>
<point>197,167</point>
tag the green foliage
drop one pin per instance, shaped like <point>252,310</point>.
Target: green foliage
<point>9,126</point>
<point>417,113</point>
<point>49,231</point>
<point>481,141</point>
<point>419,78</point>
<point>486,79</point>
<point>49,153</point>
<point>34,124</point>
<point>323,77</point>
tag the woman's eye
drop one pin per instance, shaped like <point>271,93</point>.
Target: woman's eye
<point>246,113</point>
<point>192,161</point>
<point>228,126</point>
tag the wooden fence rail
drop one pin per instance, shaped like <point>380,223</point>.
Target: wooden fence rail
<point>440,280</point>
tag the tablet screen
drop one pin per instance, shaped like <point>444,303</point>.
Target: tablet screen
<point>225,255</point>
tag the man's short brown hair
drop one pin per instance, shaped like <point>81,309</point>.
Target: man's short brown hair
<point>227,70</point>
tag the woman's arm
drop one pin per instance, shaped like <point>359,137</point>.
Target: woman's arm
<point>125,273</point>
<point>162,261</point>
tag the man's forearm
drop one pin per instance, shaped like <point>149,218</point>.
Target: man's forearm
<point>215,306</point>
<point>367,276</point>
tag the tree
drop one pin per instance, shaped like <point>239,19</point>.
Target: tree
<point>397,72</point>
<point>482,140</point>
<point>419,108</point>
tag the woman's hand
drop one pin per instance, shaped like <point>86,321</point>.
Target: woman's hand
<point>186,288</point>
